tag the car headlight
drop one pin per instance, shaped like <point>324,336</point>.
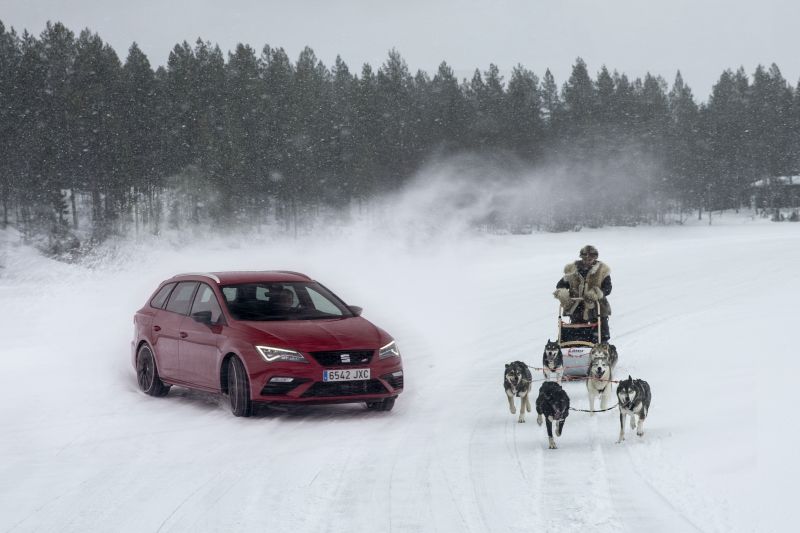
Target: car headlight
<point>272,355</point>
<point>390,350</point>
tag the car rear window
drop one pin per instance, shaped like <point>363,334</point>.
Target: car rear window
<point>181,298</point>
<point>160,298</point>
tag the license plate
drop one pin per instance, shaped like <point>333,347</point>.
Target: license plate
<point>350,374</point>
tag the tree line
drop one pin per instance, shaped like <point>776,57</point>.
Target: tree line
<point>94,146</point>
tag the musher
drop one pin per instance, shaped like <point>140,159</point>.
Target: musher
<point>583,289</point>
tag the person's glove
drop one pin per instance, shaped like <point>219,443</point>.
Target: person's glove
<point>562,295</point>
<point>593,294</point>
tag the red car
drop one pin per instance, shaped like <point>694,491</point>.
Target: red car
<point>263,337</point>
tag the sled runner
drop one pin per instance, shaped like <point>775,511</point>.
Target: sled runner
<point>576,341</point>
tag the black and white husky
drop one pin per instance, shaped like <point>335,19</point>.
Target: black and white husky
<point>634,400</point>
<point>517,382</point>
<point>553,403</point>
<point>553,362</point>
<point>598,382</point>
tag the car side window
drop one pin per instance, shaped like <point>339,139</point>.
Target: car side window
<point>262,293</point>
<point>181,298</point>
<point>205,300</point>
<point>229,293</point>
<point>160,298</point>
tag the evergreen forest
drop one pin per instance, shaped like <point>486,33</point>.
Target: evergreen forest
<point>93,146</point>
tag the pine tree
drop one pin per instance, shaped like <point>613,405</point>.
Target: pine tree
<point>209,106</point>
<point>769,131</point>
<point>367,133</point>
<point>683,159</point>
<point>181,116</point>
<point>448,110</point>
<point>794,134</point>
<point>57,149</point>
<point>95,97</point>
<point>606,108</point>
<point>625,108</point>
<point>730,164</point>
<point>394,86</point>
<point>32,127</point>
<point>10,57</point>
<point>551,102</point>
<point>523,112</point>
<point>310,147</point>
<point>140,134</point>
<point>487,97</point>
<point>421,129</point>
<point>580,99</point>
<point>342,122</point>
<point>278,78</point>
<point>244,158</point>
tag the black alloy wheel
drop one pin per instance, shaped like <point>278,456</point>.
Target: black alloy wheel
<point>147,373</point>
<point>239,388</point>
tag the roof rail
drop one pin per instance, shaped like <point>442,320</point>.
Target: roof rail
<point>291,272</point>
<point>204,274</point>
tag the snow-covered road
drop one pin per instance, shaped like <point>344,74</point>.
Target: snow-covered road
<point>702,313</point>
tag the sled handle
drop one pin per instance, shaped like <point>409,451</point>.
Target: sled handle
<point>560,312</point>
<point>599,323</point>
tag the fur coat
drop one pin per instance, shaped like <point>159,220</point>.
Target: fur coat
<point>587,288</point>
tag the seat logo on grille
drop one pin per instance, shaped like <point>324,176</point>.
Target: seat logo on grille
<point>345,357</point>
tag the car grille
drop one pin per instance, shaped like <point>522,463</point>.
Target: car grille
<point>275,389</point>
<point>395,381</point>
<point>344,388</point>
<point>334,358</point>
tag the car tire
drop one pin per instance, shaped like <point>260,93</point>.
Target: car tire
<point>147,373</point>
<point>239,388</point>
<point>387,404</point>
<point>381,405</point>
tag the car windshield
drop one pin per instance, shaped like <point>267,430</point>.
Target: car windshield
<point>283,301</point>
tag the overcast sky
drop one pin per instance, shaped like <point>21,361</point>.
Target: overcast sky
<point>699,37</point>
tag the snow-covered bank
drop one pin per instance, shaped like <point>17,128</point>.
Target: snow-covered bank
<point>703,313</point>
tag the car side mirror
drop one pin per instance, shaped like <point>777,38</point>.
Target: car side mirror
<point>356,310</point>
<point>204,317</point>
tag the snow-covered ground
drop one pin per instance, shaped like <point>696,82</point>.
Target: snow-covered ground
<point>704,313</point>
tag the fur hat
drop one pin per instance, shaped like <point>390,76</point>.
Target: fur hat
<point>589,250</point>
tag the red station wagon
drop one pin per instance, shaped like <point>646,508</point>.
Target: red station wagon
<point>263,337</point>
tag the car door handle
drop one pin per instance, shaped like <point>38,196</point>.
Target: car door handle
<point>184,334</point>
<point>156,328</point>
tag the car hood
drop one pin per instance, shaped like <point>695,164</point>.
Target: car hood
<point>320,335</point>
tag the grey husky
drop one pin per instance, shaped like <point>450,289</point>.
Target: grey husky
<point>634,400</point>
<point>517,382</point>
<point>609,351</point>
<point>598,382</point>
<point>553,362</point>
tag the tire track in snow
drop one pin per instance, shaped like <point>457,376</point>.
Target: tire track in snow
<point>503,471</point>
<point>480,483</point>
<point>643,505</point>
<point>577,496</point>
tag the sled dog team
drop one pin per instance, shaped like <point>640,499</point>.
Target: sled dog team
<point>552,404</point>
